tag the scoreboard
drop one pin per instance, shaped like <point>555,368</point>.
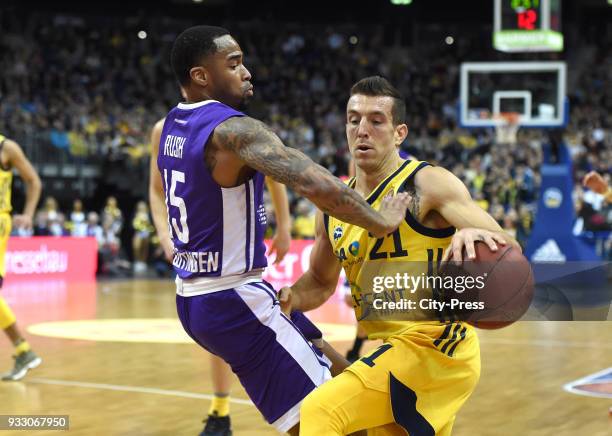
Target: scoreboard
<point>527,25</point>
<point>523,14</point>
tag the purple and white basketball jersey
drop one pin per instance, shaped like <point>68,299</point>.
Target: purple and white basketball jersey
<point>216,231</point>
<point>222,302</point>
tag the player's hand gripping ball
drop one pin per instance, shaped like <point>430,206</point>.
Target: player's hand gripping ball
<point>492,291</point>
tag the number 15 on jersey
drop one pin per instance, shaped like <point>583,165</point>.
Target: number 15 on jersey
<point>181,231</point>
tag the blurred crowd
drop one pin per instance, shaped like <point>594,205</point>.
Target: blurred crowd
<point>93,88</point>
<point>107,226</point>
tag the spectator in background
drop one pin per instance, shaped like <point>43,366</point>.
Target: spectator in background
<point>304,223</point>
<point>44,217</point>
<point>78,225</point>
<point>142,234</point>
<point>112,216</point>
<point>40,224</point>
<point>110,248</point>
<point>481,201</point>
<point>57,225</point>
<point>497,212</point>
<point>591,219</point>
<point>110,238</point>
<point>93,228</point>
<point>51,208</point>
<point>524,224</point>
<point>510,222</point>
<point>594,204</point>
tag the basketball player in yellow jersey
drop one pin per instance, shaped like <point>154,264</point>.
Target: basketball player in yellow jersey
<point>416,382</point>
<point>218,421</point>
<point>11,156</point>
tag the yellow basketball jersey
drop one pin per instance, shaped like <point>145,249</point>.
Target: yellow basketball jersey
<point>413,250</point>
<point>6,181</point>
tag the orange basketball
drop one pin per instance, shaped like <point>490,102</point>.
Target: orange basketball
<point>492,291</point>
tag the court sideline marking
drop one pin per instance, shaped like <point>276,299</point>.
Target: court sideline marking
<point>185,394</point>
<point>137,389</point>
<point>546,343</point>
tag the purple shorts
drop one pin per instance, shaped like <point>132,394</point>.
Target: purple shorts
<point>275,363</point>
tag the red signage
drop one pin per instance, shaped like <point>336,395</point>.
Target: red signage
<point>76,259</point>
<point>52,257</point>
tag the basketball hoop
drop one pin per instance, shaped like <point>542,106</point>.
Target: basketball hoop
<point>506,127</point>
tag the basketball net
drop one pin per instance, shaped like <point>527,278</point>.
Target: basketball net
<point>507,127</point>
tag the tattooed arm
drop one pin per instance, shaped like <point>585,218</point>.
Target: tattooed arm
<point>259,148</point>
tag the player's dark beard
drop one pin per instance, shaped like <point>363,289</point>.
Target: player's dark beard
<point>244,102</point>
<point>238,104</point>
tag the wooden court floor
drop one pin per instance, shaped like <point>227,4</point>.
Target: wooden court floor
<point>117,362</point>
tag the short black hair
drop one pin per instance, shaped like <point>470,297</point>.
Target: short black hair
<point>191,46</point>
<point>379,86</point>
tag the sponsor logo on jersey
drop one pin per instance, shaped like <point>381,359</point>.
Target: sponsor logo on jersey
<point>197,261</point>
<point>354,248</point>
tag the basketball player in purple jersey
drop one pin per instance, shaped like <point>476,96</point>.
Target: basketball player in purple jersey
<point>218,422</point>
<point>212,159</point>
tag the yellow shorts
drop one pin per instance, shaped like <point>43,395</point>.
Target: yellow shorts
<point>5,232</point>
<point>415,382</point>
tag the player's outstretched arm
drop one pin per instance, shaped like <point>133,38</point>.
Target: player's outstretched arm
<point>19,161</point>
<point>317,284</point>
<point>314,287</point>
<point>282,236</point>
<point>440,190</point>
<point>259,148</point>
<point>157,201</point>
